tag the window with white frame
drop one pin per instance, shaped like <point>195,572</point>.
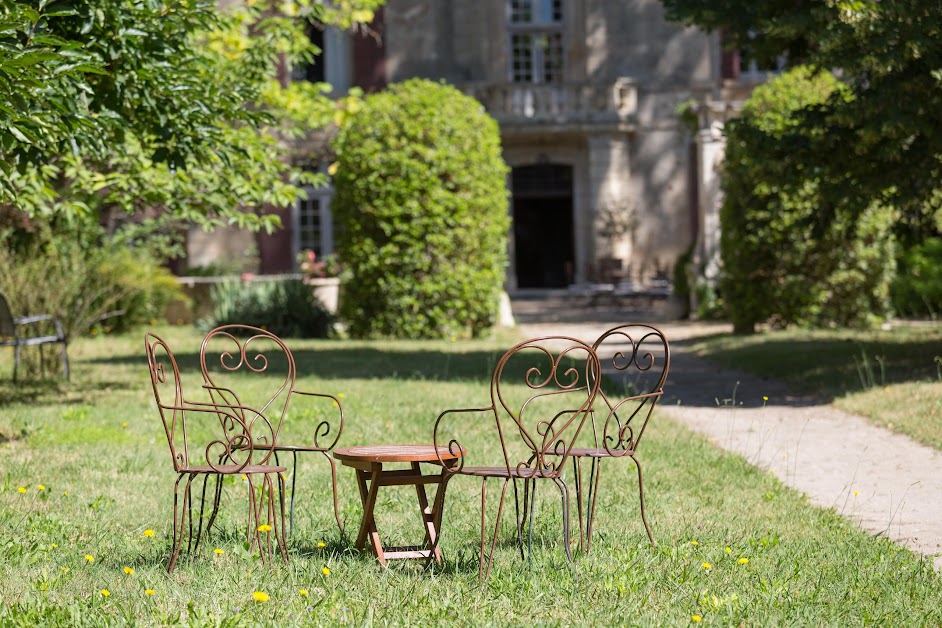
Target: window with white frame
<point>751,69</point>
<point>536,41</point>
<point>313,223</point>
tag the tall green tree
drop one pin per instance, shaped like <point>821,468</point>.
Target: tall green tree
<point>166,109</point>
<point>885,142</point>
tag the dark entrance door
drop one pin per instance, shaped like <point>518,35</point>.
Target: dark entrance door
<point>543,229</point>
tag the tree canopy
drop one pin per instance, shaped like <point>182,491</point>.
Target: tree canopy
<point>134,105</point>
<point>883,141</point>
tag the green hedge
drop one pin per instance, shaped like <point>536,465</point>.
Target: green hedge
<point>790,253</point>
<point>421,210</point>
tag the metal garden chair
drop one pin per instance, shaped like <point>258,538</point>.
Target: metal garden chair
<point>218,367</point>
<point>12,334</point>
<point>217,439</point>
<point>636,358</point>
<point>543,394</point>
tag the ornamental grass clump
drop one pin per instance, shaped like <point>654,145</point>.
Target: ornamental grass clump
<point>421,210</point>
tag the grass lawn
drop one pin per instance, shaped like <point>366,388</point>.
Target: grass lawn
<point>892,377</point>
<point>734,545</point>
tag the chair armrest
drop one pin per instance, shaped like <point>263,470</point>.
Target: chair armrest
<point>323,429</point>
<point>454,446</point>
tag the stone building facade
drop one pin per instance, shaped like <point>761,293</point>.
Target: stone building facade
<point>608,181</point>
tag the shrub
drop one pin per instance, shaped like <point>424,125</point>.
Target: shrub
<point>85,286</point>
<point>286,308</point>
<point>421,205</point>
<point>790,253</point>
<point>917,288</point>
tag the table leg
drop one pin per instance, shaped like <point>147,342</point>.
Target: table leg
<point>428,515</point>
<point>368,497</point>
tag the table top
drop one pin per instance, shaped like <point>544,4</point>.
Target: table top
<point>395,453</point>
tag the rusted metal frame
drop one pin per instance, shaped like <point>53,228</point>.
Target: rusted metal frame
<point>500,510</point>
<point>564,495</point>
<point>644,517</point>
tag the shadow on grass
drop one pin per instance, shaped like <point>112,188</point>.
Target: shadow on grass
<point>813,367</point>
<point>364,363</point>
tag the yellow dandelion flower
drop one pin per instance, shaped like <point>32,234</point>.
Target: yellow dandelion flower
<point>695,543</point>
<point>89,558</point>
<point>729,550</point>
<point>218,551</point>
<point>321,544</point>
<point>22,489</point>
<point>125,424</point>
<point>326,571</point>
<point>743,561</point>
<point>40,487</point>
<point>53,545</point>
<point>706,565</point>
<point>148,532</point>
<point>129,571</point>
<point>696,619</point>
<point>856,492</point>
<point>264,528</point>
<point>65,494</point>
<point>149,591</point>
<point>336,405</point>
<point>303,592</point>
<point>65,570</point>
<point>764,398</point>
<point>245,477</point>
<point>340,395</point>
<point>258,596</point>
<point>105,593</point>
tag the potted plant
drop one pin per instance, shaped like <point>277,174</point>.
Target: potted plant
<point>323,275</point>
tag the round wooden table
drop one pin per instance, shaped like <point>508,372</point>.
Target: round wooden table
<point>368,460</point>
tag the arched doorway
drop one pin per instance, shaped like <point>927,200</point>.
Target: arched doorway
<point>543,225</point>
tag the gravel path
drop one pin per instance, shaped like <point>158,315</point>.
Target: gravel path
<point>886,482</point>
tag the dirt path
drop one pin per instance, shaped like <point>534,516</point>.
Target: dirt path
<point>886,482</point>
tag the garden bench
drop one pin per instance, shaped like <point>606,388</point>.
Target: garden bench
<point>11,335</point>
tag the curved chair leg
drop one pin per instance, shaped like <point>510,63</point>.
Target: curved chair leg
<point>526,509</point>
<point>333,482</point>
<point>532,509</point>
<point>189,512</point>
<point>280,531</point>
<point>65,360</point>
<point>199,528</point>
<point>644,516</point>
<point>593,498</point>
<point>577,473</point>
<point>294,479</point>
<point>179,518</point>
<point>500,510</point>
<point>216,498</point>
<point>252,534</point>
<point>564,495</point>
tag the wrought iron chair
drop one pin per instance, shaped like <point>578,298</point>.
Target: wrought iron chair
<point>233,435</point>
<point>219,367</point>
<point>11,335</point>
<point>638,358</point>
<point>544,394</point>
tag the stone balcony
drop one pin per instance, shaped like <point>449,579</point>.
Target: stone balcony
<point>559,107</point>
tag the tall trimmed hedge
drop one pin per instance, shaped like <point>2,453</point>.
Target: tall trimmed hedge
<point>791,253</point>
<point>421,210</point>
